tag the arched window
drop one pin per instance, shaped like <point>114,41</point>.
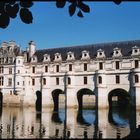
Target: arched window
<point>136,78</point>
<point>44,81</point>
<point>100,79</point>
<point>69,81</point>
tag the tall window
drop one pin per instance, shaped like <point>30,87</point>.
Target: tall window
<point>10,70</point>
<point>85,80</point>
<point>69,81</point>
<point>100,65</point>
<point>100,79</point>
<point>44,81</point>
<point>117,64</point>
<point>117,79</point>
<point>57,68</point>
<point>18,71</point>
<point>70,67</point>
<point>33,69</point>
<point>85,66</point>
<point>0,60</point>
<point>136,63</point>
<point>57,81</point>
<point>1,69</point>
<point>33,82</point>
<point>10,82</point>
<point>136,78</point>
<point>1,81</point>
<point>46,68</point>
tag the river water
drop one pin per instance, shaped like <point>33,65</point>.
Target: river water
<point>25,122</point>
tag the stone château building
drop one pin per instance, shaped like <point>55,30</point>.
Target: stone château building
<point>102,70</point>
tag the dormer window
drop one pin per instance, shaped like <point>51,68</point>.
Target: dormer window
<point>85,55</point>
<point>57,57</point>
<point>117,52</point>
<point>34,59</point>
<point>135,51</point>
<point>100,53</point>
<point>46,58</point>
<point>70,56</point>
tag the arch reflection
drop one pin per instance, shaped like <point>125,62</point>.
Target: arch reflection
<point>119,107</point>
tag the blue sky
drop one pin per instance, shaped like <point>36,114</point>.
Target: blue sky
<point>53,27</point>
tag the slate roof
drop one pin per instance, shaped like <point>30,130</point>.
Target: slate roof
<point>125,46</point>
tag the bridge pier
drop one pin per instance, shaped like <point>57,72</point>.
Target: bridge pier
<point>102,97</point>
<point>137,94</point>
<point>72,100</point>
<point>47,99</point>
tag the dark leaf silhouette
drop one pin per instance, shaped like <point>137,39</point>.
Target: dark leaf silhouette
<point>26,15</point>
<point>1,7</point>
<point>4,20</point>
<point>60,3</point>
<point>79,14</point>
<point>26,4</point>
<point>117,2</point>
<point>11,2</point>
<point>83,6</point>
<point>72,8</point>
<point>12,10</point>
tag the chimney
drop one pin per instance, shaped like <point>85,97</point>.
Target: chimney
<point>12,44</point>
<point>32,48</point>
<point>4,45</point>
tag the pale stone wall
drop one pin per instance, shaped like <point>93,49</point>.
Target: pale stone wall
<point>27,92</point>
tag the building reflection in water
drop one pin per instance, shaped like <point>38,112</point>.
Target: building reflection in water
<point>18,122</point>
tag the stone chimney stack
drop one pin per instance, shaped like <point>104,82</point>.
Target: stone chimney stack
<point>12,44</point>
<point>32,49</point>
<point>4,45</point>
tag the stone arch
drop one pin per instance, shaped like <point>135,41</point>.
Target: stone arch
<point>120,95</point>
<point>80,94</point>
<point>39,101</point>
<point>55,96</point>
<point>119,112</point>
<point>80,115</point>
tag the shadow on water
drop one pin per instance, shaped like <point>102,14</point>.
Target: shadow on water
<point>56,118</point>
<point>80,119</point>
<point>86,117</point>
<point>119,115</point>
<point>39,101</point>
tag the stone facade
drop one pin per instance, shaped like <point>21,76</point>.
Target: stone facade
<point>99,68</point>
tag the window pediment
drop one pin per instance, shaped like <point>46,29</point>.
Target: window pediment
<point>135,51</point>
<point>117,52</point>
<point>85,55</point>
<point>70,56</point>
<point>34,58</point>
<point>100,53</point>
<point>46,58</point>
<point>57,57</point>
